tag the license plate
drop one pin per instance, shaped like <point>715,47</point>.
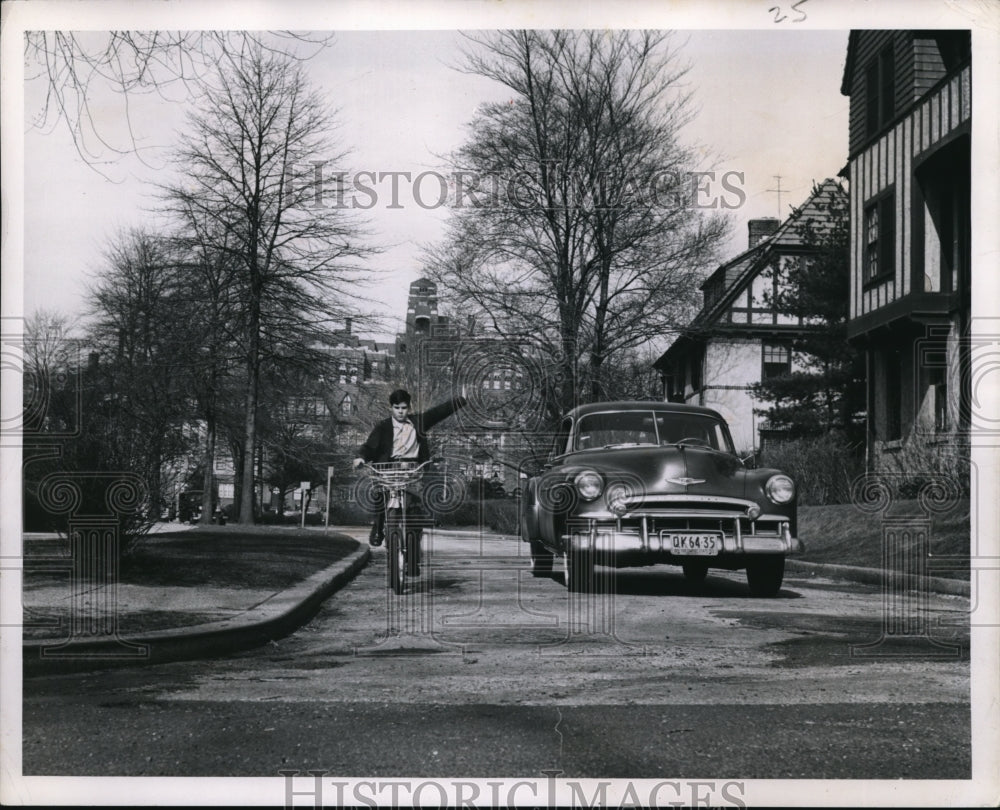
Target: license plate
<point>695,543</point>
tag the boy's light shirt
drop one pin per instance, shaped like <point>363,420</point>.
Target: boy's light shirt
<point>404,440</point>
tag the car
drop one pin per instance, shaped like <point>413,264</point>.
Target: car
<point>643,483</point>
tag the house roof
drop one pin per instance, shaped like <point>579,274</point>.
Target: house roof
<point>852,49</point>
<point>737,272</point>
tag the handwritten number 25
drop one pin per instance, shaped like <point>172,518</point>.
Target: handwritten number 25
<point>779,17</point>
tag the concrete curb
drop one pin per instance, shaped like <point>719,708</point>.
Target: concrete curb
<point>272,619</point>
<point>874,576</point>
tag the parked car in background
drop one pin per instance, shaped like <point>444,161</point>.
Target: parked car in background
<point>641,483</point>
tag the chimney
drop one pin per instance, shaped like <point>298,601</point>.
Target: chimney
<point>347,325</point>
<point>762,228</point>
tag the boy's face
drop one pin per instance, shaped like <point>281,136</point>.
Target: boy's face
<point>400,411</point>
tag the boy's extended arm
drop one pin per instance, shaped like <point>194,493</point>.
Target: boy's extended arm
<point>439,413</point>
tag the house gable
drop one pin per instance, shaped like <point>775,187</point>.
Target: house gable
<point>739,337</point>
<point>740,293</point>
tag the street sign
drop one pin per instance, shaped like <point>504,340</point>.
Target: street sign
<point>305,485</point>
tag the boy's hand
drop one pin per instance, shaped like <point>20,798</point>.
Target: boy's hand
<point>358,462</point>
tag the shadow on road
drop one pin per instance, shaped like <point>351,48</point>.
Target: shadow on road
<point>663,581</point>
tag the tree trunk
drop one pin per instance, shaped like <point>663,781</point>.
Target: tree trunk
<point>249,442</point>
<point>153,496</point>
<point>208,475</point>
<point>237,479</point>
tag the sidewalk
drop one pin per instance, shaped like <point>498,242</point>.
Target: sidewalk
<point>239,589</point>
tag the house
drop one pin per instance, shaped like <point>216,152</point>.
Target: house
<point>909,172</point>
<point>739,338</point>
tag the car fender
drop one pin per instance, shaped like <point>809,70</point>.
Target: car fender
<point>529,511</point>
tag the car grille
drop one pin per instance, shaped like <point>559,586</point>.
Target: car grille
<point>703,513</point>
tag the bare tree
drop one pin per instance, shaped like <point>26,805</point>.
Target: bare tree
<point>47,343</point>
<point>48,354</point>
<point>250,163</point>
<point>210,281</point>
<point>76,66</point>
<point>577,231</point>
<point>137,312</point>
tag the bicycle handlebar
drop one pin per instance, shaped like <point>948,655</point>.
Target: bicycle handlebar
<point>395,474</point>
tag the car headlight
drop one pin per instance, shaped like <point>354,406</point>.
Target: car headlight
<point>780,488</point>
<point>589,484</point>
<point>616,497</point>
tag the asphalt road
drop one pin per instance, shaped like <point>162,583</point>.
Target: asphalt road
<point>482,670</point>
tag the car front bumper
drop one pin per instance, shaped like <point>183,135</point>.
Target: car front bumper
<point>644,542</point>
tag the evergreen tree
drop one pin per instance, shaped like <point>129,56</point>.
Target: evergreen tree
<point>828,394</point>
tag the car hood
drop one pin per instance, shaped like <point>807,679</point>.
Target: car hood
<point>667,470</point>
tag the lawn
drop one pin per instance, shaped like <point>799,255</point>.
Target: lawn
<point>265,558</point>
<point>844,535</point>
<point>223,556</point>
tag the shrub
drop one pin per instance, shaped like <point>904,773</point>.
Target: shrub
<point>823,467</point>
<point>917,464</point>
<point>496,514</point>
<point>348,513</point>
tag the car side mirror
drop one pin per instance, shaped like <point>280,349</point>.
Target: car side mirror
<point>750,461</point>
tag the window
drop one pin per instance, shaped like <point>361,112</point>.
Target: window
<point>777,360</point>
<point>345,405</point>
<point>880,101</point>
<point>713,291</point>
<point>878,238</point>
<point>694,369</point>
<point>955,47</point>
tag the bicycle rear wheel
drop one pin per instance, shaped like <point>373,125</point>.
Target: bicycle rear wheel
<point>396,551</point>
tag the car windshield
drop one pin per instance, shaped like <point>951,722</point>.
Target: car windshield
<point>623,428</point>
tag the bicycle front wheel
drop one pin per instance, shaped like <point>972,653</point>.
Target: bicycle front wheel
<point>395,548</point>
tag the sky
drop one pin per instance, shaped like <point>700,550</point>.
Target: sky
<point>768,105</point>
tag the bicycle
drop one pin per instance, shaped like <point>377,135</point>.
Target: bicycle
<point>402,537</point>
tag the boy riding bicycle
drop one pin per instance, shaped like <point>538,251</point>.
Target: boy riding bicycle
<point>402,437</point>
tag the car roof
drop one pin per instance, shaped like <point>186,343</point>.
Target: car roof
<point>658,407</point>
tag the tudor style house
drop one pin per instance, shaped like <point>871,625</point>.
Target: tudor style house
<point>739,338</point>
<point>909,172</point>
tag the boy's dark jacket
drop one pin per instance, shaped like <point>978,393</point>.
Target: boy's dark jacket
<point>378,447</point>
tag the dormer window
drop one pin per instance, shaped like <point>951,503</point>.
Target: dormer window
<point>880,91</point>
<point>713,292</point>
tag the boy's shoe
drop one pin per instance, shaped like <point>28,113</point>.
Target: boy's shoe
<point>374,538</point>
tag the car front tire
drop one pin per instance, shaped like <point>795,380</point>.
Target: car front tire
<point>541,560</point>
<point>765,574</point>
